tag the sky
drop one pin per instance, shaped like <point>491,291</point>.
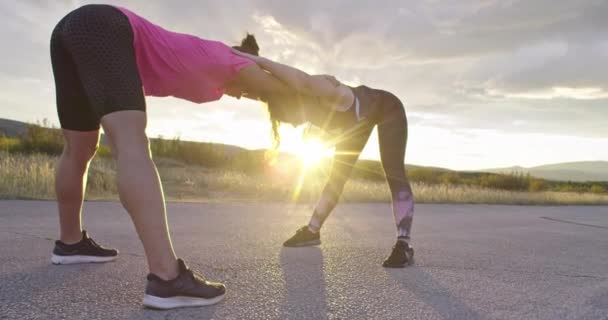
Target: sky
<point>485,84</point>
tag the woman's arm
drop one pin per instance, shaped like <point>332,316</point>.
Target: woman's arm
<point>313,85</point>
<point>256,83</point>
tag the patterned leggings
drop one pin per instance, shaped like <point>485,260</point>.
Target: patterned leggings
<point>392,136</point>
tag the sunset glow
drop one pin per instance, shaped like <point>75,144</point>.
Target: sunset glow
<point>311,152</point>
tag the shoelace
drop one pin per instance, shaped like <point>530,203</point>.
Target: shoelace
<point>93,243</point>
<point>192,274</point>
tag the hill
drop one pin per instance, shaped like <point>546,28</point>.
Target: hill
<point>568,171</point>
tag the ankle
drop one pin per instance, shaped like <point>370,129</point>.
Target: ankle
<point>71,238</point>
<point>165,271</point>
<point>404,239</point>
<point>313,229</point>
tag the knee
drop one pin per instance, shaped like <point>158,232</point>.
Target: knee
<point>80,153</point>
<point>131,147</point>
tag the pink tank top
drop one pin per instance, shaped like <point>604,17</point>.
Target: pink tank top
<point>181,65</point>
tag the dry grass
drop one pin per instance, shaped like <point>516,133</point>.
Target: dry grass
<point>32,177</point>
<point>25,177</point>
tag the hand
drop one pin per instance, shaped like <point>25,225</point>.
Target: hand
<point>251,57</point>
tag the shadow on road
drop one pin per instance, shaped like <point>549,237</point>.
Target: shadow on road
<point>422,284</point>
<point>304,283</point>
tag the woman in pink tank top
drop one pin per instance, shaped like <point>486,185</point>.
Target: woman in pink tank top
<point>105,61</point>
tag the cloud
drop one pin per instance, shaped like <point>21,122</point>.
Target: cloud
<point>509,66</point>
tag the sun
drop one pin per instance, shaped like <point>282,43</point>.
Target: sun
<point>312,151</point>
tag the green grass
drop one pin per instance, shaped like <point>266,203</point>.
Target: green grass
<point>32,177</point>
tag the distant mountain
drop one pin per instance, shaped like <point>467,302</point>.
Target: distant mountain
<point>568,171</point>
<point>12,128</point>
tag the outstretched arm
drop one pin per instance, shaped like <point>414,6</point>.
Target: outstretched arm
<point>313,85</point>
<point>257,83</point>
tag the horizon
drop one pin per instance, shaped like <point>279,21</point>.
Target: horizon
<point>297,154</point>
<point>485,85</point>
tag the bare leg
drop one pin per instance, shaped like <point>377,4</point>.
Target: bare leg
<point>71,180</point>
<point>140,189</point>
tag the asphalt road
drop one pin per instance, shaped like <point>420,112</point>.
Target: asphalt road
<point>472,262</point>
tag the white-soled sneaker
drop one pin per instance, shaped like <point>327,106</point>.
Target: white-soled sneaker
<point>85,251</point>
<point>189,289</point>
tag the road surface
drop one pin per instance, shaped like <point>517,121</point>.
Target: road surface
<point>472,262</point>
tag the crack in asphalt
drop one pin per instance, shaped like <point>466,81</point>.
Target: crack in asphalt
<point>574,222</point>
<point>28,235</point>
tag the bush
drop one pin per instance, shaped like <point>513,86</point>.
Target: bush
<point>423,175</point>
<point>39,138</point>
<point>450,178</point>
<point>9,144</point>
<point>513,182</point>
<point>198,153</point>
<point>104,151</point>
<point>597,189</point>
<point>536,185</point>
<point>566,187</point>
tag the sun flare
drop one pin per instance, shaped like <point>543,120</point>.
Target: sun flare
<point>311,152</point>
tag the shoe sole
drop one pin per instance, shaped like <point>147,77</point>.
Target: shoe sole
<point>398,266</point>
<point>154,302</point>
<point>57,259</point>
<point>304,244</point>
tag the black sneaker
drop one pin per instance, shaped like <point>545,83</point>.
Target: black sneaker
<point>402,255</point>
<point>85,251</point>
<point>187,290</point>
<point>303,238</point>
